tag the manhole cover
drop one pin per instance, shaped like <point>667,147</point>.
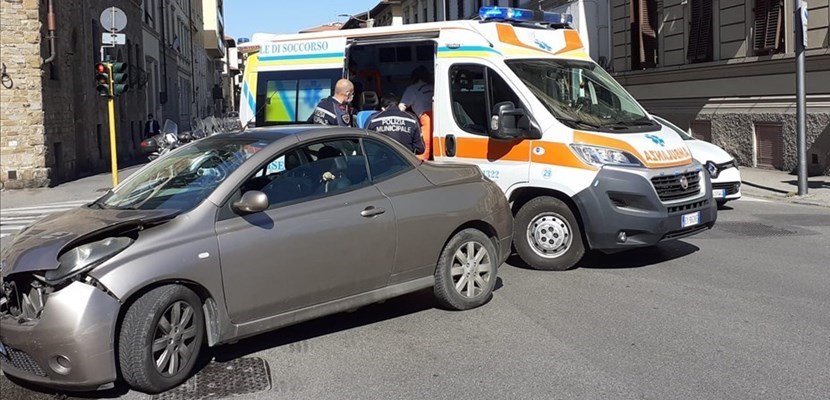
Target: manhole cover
<point>755,229</point>
<point>219,380</point>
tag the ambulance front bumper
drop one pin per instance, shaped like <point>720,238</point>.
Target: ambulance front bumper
<point>634,207</point>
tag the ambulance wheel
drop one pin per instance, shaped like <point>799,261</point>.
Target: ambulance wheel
<point>547,235</point>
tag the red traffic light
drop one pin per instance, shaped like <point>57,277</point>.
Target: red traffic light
<point>100,67</point>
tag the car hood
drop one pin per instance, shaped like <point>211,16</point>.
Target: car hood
<point>37,247</point>
<point>704,151</point>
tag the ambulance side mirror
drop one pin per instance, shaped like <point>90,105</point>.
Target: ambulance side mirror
<point>504,121</point>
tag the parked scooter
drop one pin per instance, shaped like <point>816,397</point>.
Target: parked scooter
<point>162,143</point>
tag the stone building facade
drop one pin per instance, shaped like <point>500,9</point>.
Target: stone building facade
<point>53,123</point>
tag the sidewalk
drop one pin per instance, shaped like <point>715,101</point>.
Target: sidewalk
<point>780,185</point>
<point>763,183</point>
<point>88,188</point>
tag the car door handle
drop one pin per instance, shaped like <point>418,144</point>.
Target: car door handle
<point>371,211</point>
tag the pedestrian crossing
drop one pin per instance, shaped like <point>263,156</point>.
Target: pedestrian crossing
<point>13,220</point>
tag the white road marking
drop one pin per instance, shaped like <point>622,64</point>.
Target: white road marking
<point>13,220</point>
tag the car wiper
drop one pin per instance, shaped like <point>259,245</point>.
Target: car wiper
<point>580,122</point>
<point>99,202</point>
<point>627,124</point>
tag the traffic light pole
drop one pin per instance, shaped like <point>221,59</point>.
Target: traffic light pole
<point>113,147</point>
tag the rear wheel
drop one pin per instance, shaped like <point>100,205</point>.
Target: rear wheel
<point>466,271</point>
<point>160,338</point>
<point>547,235</point>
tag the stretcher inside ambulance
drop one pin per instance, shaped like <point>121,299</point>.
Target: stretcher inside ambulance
<point>582,163</point>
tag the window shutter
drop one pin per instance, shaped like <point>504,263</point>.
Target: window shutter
<point>700,32</point>
<point>768,25</point>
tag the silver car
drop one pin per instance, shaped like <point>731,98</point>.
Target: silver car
<point>235,235</point>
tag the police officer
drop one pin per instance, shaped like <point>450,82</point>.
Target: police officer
<point>336,109</point>
<point>399,125</point>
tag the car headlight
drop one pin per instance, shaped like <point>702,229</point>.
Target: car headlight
<point>85,257</point>
<point>599,156</point>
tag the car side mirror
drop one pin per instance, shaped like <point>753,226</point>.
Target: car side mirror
<point>252,201</point>
<point>504,121</point>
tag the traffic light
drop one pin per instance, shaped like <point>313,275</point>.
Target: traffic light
<point>119,78</point>
<point>102,79</point>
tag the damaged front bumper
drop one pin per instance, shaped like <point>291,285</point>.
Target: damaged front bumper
<point>70,344</point>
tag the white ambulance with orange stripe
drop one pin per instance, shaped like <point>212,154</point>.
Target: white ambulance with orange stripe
<point>583,164</point>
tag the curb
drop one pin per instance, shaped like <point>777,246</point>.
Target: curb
<point>786,198</point>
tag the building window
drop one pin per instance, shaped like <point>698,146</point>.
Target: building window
<point>644,34</point>
<point>700,32</point>
<point>768,27</point>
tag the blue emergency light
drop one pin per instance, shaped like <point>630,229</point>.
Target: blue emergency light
<point>505,13</point>
<point>522,15</point>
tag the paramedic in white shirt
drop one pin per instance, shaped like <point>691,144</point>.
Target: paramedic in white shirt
<point>418,96</point>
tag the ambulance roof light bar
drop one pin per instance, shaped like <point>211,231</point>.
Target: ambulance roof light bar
<point>523,15</point>
<point>505,14</point>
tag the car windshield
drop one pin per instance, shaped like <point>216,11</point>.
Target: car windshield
<point>184,178</point>
<point>582,95</point>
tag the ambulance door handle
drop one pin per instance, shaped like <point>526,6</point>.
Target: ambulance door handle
<point>450,144</point>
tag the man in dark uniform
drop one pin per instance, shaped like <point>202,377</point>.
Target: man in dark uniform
<point>336,109</point>
<point>399,125</point>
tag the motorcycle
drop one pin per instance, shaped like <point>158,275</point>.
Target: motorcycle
<point>162,143</point>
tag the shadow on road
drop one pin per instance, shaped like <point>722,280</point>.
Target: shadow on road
<point>15,389</point>
<point>393,308</point>
<point>639,257</point>
<point>634,258</point>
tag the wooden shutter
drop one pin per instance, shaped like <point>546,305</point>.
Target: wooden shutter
<point>768,25</point>
<point>768,146</point>
<point>700,32</point>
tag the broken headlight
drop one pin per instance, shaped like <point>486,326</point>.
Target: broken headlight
<point>85,257</point>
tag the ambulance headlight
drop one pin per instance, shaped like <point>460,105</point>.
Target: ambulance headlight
<point>599,156</point>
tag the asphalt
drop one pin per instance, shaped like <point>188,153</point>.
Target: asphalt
<point>757,183</point>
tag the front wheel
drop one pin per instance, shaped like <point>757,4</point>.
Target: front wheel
<point>547,235</point>
<point>160,338</point>
<point>466,272</point>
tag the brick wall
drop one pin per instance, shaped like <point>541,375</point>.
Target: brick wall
<point>54,124</point>
<point>22,147</point>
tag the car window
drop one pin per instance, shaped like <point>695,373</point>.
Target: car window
<point>384,161</point>
<point>311,171</point>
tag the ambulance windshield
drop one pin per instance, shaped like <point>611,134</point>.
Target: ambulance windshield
<point>582,95</point>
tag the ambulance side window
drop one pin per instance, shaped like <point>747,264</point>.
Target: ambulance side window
<point>475,89</point>
<point>286,97</point>
<point>468,95</point>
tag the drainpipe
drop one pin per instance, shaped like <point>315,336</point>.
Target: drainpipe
<point>163,47</point>
<point>50,21</point>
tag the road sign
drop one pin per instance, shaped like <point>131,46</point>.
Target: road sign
<point>113,19</point>
<point>112,39</point>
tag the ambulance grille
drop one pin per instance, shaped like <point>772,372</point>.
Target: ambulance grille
<point>670,187</point>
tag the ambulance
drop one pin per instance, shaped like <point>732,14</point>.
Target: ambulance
<point>583,165</point>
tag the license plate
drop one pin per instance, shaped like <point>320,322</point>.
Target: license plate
<point>718,193</point>
<point>690,220</point>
